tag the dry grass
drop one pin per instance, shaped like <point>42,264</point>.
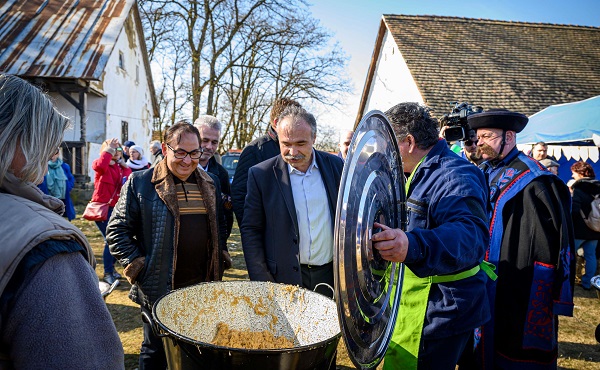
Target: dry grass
<point>578,347</point>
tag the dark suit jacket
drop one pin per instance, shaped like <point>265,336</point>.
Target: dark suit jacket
<point>270,236</point>
<point>261,149</point>
<point>218,170</point>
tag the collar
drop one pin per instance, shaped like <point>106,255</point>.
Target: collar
<point>272,133</point>
<point>190,179</point>
<point>433,155</point>
<point>205,169</point>
<point>11,184</point>
<point>309,170</point>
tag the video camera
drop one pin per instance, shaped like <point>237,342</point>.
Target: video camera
<point>458,127</point>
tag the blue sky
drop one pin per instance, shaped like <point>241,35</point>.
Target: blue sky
<point>354,24</point>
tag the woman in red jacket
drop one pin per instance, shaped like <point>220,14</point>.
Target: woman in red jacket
<point>111,174</point>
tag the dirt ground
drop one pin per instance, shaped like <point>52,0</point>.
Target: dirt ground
<point>578,349</point>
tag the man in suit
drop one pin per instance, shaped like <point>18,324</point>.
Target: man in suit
<point>287,229</point>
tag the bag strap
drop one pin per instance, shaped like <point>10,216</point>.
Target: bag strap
<point>120,179</point>
<point>111,198</point>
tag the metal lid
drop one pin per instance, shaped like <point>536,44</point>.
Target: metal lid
<point>367,286</point>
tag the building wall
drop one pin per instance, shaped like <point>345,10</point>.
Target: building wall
<point>128,94</point>
<point>127,88</point>
<point>392,82</point>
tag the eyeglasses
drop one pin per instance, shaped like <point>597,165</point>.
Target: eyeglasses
<point>487,137</point>
<point>470,142</point>
<point>181,154</point>
<point>119,149</point>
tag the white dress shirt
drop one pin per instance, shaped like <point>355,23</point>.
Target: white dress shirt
<point>314,218</point>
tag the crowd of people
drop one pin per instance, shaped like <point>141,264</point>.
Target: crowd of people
<point>489,249</point>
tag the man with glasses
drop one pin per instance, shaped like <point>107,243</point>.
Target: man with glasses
<point>470,149</point>
<point>531,245</point>
<point>168,229</point>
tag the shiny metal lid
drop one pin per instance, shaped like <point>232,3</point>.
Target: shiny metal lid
<point>367,286</point>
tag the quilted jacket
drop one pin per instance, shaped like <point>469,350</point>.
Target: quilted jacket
<point>145,223</point>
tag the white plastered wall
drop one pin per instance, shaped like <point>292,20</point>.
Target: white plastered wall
<point>128,95</point>
<point>392,82</point>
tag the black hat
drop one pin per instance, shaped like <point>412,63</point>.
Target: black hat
<point>498,118</point>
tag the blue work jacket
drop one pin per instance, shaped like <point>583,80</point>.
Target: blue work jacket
<point>448,233</point>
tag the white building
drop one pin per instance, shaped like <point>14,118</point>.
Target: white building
<point>520,66</point>
<point>90,56</point>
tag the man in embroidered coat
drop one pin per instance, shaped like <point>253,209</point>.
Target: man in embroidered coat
<point>531,244</point>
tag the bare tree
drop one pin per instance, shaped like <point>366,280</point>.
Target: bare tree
<point>327,138</point>
<point>290,59</point>
<point>241,55</point>
<point>155,22</point>
<point>173,91</point>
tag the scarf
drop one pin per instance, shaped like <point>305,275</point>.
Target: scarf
<point>56,179</point>
<point>138,164</point>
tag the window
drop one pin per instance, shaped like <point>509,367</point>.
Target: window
<point>124,131</point>
<point>121,61</point>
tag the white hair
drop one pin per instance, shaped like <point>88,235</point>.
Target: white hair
<point>155,144</point>
<point>209,122</point>
<point>28,119</point>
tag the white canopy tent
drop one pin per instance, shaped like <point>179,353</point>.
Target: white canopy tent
<point>571,130</point>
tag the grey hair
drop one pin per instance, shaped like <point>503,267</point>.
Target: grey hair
<point>155,144</point>
<point>28,118</point>
<point>208,121</point>
<point>298,113</point>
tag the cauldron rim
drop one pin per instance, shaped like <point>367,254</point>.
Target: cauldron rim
<point>177,336</point>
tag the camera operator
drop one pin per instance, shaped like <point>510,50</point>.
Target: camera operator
<point>455,128</point>
<point>470,149</point>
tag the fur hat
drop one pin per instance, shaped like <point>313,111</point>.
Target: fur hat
<point>547,162</point>
<point>138,149</point>
<point>498,118</point>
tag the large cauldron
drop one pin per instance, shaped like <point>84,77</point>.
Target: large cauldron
<point>188,317</point>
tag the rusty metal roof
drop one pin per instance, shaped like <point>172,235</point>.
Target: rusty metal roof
<point>59,38</point>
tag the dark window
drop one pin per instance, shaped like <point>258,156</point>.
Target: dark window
<point>124,131</point>
<point>121,61</point>
<point>230,162</point>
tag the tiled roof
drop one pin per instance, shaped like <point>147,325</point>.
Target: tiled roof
<point>497,64</point>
